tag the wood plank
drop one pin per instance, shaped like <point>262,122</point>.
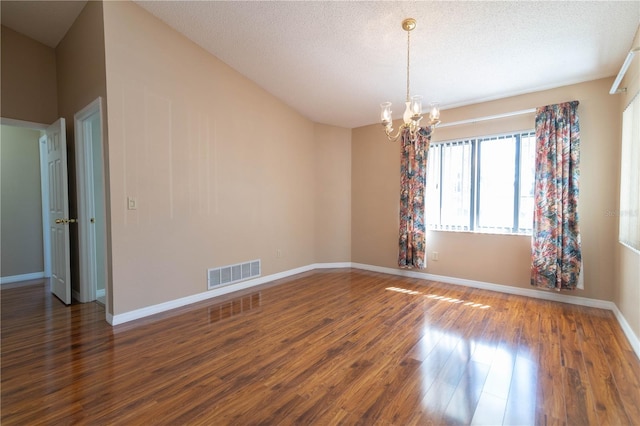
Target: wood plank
<point>608,402</point>
<point>490,410</point>
<point>622,363</point>
<point>579,400</point>
<point>550,400</point>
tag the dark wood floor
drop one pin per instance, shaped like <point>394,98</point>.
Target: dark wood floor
<point>325,347</point>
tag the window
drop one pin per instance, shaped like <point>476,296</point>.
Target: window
<point>482,184</point>
<point>630,176</point>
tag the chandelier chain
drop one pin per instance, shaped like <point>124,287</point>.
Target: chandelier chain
<point>408,50</point>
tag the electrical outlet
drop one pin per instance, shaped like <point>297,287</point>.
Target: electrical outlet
<point>278,253</point>
<point>435,255</point>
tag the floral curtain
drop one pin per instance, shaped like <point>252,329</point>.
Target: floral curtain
<point>413,174</point>
<point>555,244</point>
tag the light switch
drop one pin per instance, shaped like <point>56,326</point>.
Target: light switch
<point>132,203</point>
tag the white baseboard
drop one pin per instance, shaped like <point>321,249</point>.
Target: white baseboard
<point>23,277</point>
<point>534,293</point>
<point>626,328</point>
<point>340,265</point>
<point>76,295</point>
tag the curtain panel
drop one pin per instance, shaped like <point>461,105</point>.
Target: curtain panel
<point>556,258</point>
<point>413,175</point>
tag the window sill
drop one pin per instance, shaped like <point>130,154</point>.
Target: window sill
<point>488,232</point>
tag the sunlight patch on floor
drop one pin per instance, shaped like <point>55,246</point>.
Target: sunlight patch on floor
<point>440,298</point>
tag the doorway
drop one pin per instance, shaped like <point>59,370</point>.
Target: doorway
<point>54,239</point>
<point>24,236</point>
<point>91,202</point>
<point>91,220</point>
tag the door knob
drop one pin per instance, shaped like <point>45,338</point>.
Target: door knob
<point>66,221</point>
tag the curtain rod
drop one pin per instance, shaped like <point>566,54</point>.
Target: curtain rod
<point>623,70</point>
<point>488,117</point>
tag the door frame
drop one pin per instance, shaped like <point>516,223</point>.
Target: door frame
<point>44,190</point>
<point>44,184</point>
<point>87,240</point>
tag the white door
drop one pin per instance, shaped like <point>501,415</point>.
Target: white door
<point>58,211</point>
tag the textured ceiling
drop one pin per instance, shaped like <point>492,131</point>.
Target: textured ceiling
<point>336,61</point>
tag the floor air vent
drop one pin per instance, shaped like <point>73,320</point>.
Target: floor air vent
<point>230,274</point>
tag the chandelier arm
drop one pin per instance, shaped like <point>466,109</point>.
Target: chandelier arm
<point>394,138</point>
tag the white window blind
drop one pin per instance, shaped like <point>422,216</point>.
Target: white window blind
<point>482,184</point>
<point>630,176</point>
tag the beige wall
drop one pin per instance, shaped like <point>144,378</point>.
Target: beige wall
<point>627,273</point>
<point>498,259</point>
<point>221,170</point>
<point>80,65</point>
<point>28,79</point>
<point>20,202</point>
<point>333,194</point>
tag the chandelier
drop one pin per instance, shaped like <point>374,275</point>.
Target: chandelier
<point>413,110</point>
